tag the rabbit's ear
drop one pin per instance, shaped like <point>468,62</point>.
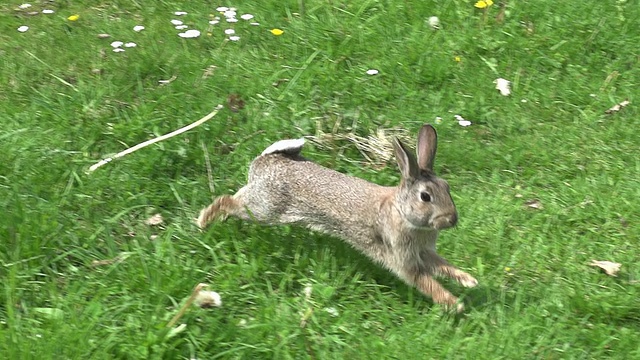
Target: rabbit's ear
<point>406,160</point>
<point>427,145</point>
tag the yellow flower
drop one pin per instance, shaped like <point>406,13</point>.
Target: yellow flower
<point>277,32</point>
<point>507,269</point>
<point>73,17</point>
<point>482,4</point>
<point>457,59</point>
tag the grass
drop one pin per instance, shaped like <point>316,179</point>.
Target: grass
<point>67,101</point>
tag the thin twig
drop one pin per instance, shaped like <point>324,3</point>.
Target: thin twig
<point>186,305</point>
<point>153,141</point>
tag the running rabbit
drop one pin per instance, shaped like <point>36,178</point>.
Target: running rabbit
<point>395,226</point>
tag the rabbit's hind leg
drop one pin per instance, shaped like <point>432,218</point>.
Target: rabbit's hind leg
<point>222,207</point>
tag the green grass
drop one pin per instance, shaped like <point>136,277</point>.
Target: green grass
<point>67,100</point>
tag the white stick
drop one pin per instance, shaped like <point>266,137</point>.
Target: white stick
<point>153,141</point>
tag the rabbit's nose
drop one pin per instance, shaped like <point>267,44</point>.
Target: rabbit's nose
<point>453,219</point>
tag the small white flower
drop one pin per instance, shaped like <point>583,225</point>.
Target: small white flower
<point>130,44</point>
<point>222,9</point>
<point>372,72</point>
<point>138,28</point>
<point>176,22</point>
<point>434,22</point>
<point>24,6</point>
<point>214,22</point>
<point>503,86</point>
<point>438,120</point>
<point>462,121</point>
<point>246,16</point>
<point>234,38</point>
<point>190,34</point>
<point>523,101</point>
<point>229,31</point>
<point>118,50</point>
<point>331,311</point>
<point>307,291</point>
<point>232,20</point>
<point>180,13</point>
<point>23,28</point>
<point>181,27</point>
<point>255,23</point>
<point>229,14</point>
<point>117,44</point>
<point>47,11</point>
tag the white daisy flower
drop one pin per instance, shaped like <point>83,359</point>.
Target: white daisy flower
<point>229,14</point>
<point>181,27</point>
<point>229,31</point>
<point>234,38</point>
<point>372,72</point>
<point>138,28</point>
<point>246,16</point>
<point>23,28</point>
<point>232,20</point>
<point>176,22</point>
<point>24,6</point>
<point>222,9</point>
<point>117,44</point>
<point>118,50</point>
<point>214,22</point>
<point>47,11</point>
<point>180,13</point>
<point>130,44</point>
<point>190,34</point>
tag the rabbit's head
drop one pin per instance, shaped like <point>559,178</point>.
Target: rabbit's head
<point>423,199</point>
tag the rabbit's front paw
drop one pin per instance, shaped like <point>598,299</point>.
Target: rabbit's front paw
<point>466,280</point>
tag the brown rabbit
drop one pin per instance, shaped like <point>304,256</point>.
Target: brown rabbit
<point>395,226</point>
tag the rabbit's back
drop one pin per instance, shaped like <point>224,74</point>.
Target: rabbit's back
<point>290,189</point>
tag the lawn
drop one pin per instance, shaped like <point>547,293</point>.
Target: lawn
<point>545,179</point>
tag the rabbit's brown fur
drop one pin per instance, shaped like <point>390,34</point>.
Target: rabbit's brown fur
<point>395,226</point>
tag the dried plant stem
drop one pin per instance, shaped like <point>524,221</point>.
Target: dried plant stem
<point>209,170</point>
<point>186,305</point>
<point>155,140</point>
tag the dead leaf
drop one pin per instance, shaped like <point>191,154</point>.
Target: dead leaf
<point>533,204</point>
<point>235,103</point>
<point>207,299</point>
<point>121,257</point>
<point>154,220</point>
<point>278,82</point>
<point>501,13</point>
<point>103,36</point>
<point>503,85</point>
<point>610,268</point>
<point>209,71</point>
<point>617,107</point>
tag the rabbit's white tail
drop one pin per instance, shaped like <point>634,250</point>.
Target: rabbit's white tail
<point>291,147</point>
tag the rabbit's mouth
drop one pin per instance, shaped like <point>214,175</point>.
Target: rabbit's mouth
<point>441,222</point>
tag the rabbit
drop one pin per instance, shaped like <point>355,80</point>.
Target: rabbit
<point>396,227</point>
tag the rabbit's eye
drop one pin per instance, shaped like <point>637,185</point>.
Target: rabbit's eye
<point>424,196</point>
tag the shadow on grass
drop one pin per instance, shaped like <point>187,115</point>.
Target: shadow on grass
<point>289,242</point>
